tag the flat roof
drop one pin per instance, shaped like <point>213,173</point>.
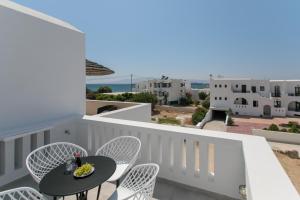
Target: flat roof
<point>25,10</point>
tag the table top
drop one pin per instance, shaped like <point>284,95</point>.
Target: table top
<point>57,183</point>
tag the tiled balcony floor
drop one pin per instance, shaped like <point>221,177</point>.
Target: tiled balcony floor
<point>164,190</point>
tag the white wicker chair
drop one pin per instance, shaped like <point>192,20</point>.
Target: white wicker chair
<point>124,150</point>
<point>42,160</point>
<point>138,184</point>
<point>22,193</point>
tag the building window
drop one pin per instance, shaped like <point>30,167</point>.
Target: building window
<point>216,86</point>
<point>220,98</point>
<point>216,98</point>
<point>253,89</point>
<point>220,86</point>
<point>262,88</point>
<point>297,91</point>
<point>255,103</point>
<point>225,86</point>
<point>236,86</point>
<point>225,98</point>
<point>277,104</point>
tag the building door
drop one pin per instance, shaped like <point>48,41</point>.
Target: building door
<point>267,111</point>
<point>244,88</point>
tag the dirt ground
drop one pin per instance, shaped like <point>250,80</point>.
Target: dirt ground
<point>292,168</point>
<point>184,117</point>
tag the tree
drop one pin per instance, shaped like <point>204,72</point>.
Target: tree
<point>104,89</point>
<point>202,95</point>
<point>145,97</point>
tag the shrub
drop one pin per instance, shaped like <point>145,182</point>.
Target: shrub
<point>198,115</point>
<point>294,129</point>
<point>230,121</point>
<point>91,96</point>
<point>104,89</point>
<point>292,123</point>
<point>273,127</point>
<point>168,120</point>
<point>196,103</point>
<point>206,103</point>
<point>229,112</point>
<point>202,95</point>
<point>145,97</point>
<point>293,154</point>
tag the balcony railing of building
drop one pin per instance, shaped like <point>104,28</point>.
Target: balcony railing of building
<point>275,94</point>
<point>294,94</point>
<point>214,161</point>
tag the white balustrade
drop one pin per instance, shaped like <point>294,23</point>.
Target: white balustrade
<point>184,155</point>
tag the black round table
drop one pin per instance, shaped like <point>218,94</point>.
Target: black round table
<point>57,183</point>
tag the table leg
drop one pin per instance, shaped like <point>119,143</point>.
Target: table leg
<point>98,193</point>
<point>82,196</point>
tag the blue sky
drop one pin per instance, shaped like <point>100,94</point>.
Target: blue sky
<point>186,38</point>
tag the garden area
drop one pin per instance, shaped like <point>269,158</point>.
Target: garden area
<point>290,127</point>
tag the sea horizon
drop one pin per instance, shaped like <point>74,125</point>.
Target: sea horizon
<point>125,87</point>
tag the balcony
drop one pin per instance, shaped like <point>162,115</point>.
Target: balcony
<point>195,163</point>
<point>276,94</point>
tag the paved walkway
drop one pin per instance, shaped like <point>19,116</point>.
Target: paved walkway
<point>215,125</point>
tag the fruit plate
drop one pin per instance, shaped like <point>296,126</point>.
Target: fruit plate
<point>85,175</point>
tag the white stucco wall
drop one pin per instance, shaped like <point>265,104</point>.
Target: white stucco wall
<point>140,112</point>
<point>42,68</point>
<point>224,92</point>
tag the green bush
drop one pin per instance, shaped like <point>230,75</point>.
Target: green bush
<point>199,115</point>
<point>294,129</point>
<point>91,96</point>
<point>206,103</point>
<point>168,120</point>
<point>202,95</point>
<point>196,103</point>
<point>144,97</point>
<point>104,89</point>
<point>273,127</point>
<point>230,121</point>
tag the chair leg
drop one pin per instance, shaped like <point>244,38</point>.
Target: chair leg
<point>118,182</point>
<point>98,193</point>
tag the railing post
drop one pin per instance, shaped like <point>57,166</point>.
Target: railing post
<point>9,152</point>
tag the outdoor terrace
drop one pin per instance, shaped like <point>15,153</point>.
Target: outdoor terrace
<point>193,163</point>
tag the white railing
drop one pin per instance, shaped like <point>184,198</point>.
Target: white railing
<point>189,156</point>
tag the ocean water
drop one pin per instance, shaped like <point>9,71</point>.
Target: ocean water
<point>126,87</point>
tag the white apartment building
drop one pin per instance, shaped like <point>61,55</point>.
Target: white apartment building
<point>167,91</point>
<point>252,97</point>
